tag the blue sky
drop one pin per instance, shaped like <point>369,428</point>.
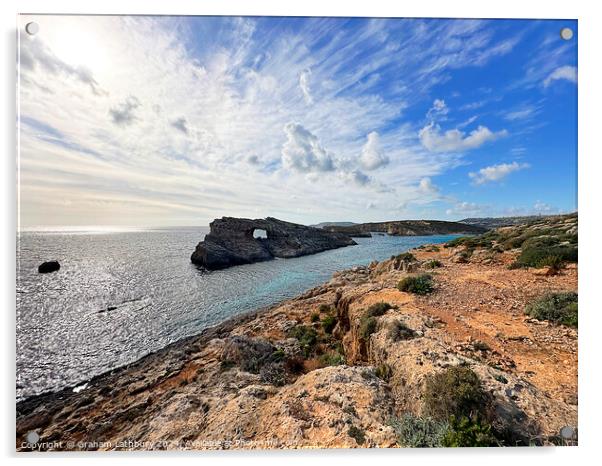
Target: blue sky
<point>147,121</point>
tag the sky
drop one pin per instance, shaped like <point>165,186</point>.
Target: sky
<point>165,121</point>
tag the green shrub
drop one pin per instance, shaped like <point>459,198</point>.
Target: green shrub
<point>307,337</point>
<point>419,432</point>
<point>328,324</point>
<point>274,374</point>
<point>406,257</point>
<point>383,372</point>
<point>482,241</point>
<point>456,391</point>
<point>378,309</point>
<point>400,331</point>
<point>357,434</point>
<point>555,263</point>
<point>324,308</point>
<point>332,358</point>
<point>367,327</point>
<point>417,284</point>
<point>538,251</point>
<point>467,432</point>
<point>315,317</point>
<point>433,264</point>
<point>464,256</point>
<point>555,307</point>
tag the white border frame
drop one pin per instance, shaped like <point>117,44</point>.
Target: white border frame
<point>590,81</point>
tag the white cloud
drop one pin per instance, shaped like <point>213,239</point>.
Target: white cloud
<point>464,208</point>
<point>454,140</point>
<point>124,113</point>
<point>304,85</point>
<point>496,172</point>
<point>568,73</point>
<point>302,151</point>
<point>180,153</point>
<point>372,157</point>
<point>426,186</point>
<point>523,113</point>
<point>438,109</point>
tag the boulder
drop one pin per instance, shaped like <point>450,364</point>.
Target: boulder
<point>48,267</point>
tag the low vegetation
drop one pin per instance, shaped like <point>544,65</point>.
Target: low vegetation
<point>469,432</point>
<point>433,264</point>
<point>419,432</point>
<point>324,308</point>
<point>383,372</point>
<point>425,432</point>
<point>400,331</point>
<point>543,242</point>
<point>357,434</point>
<point>378,309</point>
<point>417,284</point>
<point>457,392</point>
<point>405,257</point>
<point>546,251</point>
<point>329,323</point>
<point>307,336</point>
<point>367,327</point>
<point>560,308</point>
<point>332,358</point>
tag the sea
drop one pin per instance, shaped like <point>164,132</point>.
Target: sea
<point>121,294</point>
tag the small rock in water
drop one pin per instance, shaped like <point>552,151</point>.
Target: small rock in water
<point>48,267</point>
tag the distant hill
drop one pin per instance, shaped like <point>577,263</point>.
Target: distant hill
<point>408,228</point>
<point>497,222</point>
<point>333,224</point>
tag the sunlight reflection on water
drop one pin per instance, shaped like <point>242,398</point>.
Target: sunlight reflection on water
<point>121,295</point>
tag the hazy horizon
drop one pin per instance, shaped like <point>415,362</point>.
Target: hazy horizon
<point>150,122</point>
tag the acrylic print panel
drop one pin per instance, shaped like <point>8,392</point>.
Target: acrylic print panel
<point>273,233</point>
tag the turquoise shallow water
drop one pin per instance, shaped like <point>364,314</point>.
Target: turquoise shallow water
<point>158,295</point>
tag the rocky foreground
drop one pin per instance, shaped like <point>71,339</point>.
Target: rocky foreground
<point>453,360</point>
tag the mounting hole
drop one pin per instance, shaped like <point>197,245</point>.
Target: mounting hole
<point>566,33</point>
<point>32,28</point>
<point>567,432</point>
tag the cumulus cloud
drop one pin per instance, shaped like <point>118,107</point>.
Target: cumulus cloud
<point>371,157</point>
<point>426,186</point>
<point>123,114</point>
<point>302,151</point>
<point>304,85</point>
<point>496,172</point>
<point>356,176</point>
<point>181,125</point>
<point>454,140</point>
<point>567,73</point>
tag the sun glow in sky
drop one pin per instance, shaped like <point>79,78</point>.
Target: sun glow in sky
<point>158,121</point>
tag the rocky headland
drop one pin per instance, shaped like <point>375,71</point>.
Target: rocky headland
<point>231,241</point>
<point>464,344</point>
<point>408,228</point>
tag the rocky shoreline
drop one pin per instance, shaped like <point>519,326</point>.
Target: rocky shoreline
<point>347,364</point>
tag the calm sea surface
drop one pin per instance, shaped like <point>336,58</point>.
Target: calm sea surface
<point>159,296</point>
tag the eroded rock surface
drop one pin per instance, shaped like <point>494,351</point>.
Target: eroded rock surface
<point>231,242</point>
